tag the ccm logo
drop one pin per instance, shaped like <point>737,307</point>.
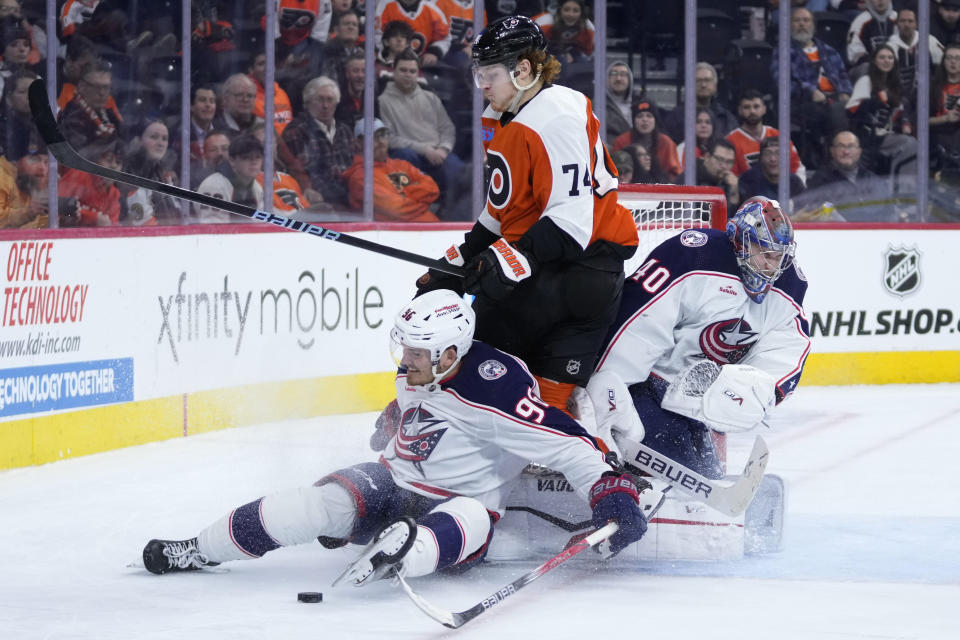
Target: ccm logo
<point>733,396</point>
<point>678,476</point>
<point>501,247</point>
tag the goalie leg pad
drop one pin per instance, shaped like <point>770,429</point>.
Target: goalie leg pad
<point>678,437</point>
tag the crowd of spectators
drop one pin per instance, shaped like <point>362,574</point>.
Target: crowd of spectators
<point>853,105</point>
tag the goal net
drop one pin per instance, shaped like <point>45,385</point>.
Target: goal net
<point>664,210</point>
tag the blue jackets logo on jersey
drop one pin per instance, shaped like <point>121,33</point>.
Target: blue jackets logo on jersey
<point>693,238</point>
<point>418,437</point>
<point>727,341</point>
<point>492,369</point>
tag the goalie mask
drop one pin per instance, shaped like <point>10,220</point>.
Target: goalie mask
<point>762,237</point>
<point>427,327</point>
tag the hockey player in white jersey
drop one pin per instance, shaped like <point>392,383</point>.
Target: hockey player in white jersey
<point>470,421</point>
<point>710,335</point>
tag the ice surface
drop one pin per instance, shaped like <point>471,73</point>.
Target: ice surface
<point>872,547</point>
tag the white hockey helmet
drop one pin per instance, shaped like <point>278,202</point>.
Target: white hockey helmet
<point>434,321</point>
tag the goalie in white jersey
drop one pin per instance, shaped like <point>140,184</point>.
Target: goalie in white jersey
<point>710,335</point>
<point>470,421</point>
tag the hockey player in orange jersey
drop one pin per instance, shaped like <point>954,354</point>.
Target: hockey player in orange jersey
<point>545,258</point>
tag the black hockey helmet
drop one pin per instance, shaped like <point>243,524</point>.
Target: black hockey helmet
<point>504,39</point>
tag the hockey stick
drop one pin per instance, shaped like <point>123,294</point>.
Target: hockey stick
<point>456,619</point>
<point>68,156</point>
<point>729,499</point>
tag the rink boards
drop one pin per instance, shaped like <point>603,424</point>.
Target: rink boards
<point>116,338</point>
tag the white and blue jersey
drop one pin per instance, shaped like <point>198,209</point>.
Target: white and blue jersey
<point>474,435</point>
<point>686,302</point>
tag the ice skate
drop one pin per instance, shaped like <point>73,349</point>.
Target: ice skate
<point>383,555</point>
<point>164,556</point>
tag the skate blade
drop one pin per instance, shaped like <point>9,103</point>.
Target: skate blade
<point>216,569</point>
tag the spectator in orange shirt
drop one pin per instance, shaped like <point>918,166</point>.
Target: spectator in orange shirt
<point>282,111</point>
<point>98,199</point>
<point>401,192</point>
<point>646,131</point>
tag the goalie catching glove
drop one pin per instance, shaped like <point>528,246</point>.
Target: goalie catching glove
<point>737,399</point>
<point>497,270</point>
<point>616,497</point>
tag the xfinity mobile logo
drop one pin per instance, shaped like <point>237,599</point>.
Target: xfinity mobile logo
<point>901,271</point>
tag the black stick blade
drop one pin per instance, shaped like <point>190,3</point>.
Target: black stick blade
<point>42,114</point>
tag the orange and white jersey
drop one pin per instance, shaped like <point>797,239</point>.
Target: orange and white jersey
<point>430,27</point>
<point>459,14</point>
<point>748,151</point>
<point>287,196</point>
<point>549,161</point>
<point>75,12</point>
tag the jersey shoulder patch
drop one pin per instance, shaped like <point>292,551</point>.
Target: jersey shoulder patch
<point>697,250</point>
<point>491,377</point>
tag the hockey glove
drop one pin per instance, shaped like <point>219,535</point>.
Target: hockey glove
<point>615,413</point>
<point>388,423</point>
<point>496,271</point>
<point>739,398</point>
<point>615,497</point>
<point>433,279</point>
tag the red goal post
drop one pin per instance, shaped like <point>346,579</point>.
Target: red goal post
<point>664,210</point>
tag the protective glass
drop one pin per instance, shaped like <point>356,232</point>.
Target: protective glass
<point>403,355</point>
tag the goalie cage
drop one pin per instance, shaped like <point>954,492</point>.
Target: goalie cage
<point>664,210</point>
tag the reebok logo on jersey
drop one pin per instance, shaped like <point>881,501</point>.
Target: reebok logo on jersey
<point>511,261</point>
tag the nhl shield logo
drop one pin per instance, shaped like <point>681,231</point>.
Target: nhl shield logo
<point>901,270</point>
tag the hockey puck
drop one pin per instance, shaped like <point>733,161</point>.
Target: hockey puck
<point>310,596</point>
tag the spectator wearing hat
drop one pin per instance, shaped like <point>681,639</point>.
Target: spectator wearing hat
<point>316,147</point>
<point>646,132</point>
<point>234,181</point>
<point>97,199</point>
<point>421,132</point>
<point>24,171</point>
<point>38,38</point>
<point>401,192</point>
<point>14,46</point>
<point>945,24</point>
<point>763,179</point>
<point>86,118</point>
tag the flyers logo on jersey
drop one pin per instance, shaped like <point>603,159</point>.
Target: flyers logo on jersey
<point>501,187</point>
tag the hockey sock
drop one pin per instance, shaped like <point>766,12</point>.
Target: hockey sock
<point>291,517</point>
<point>556,394</point>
